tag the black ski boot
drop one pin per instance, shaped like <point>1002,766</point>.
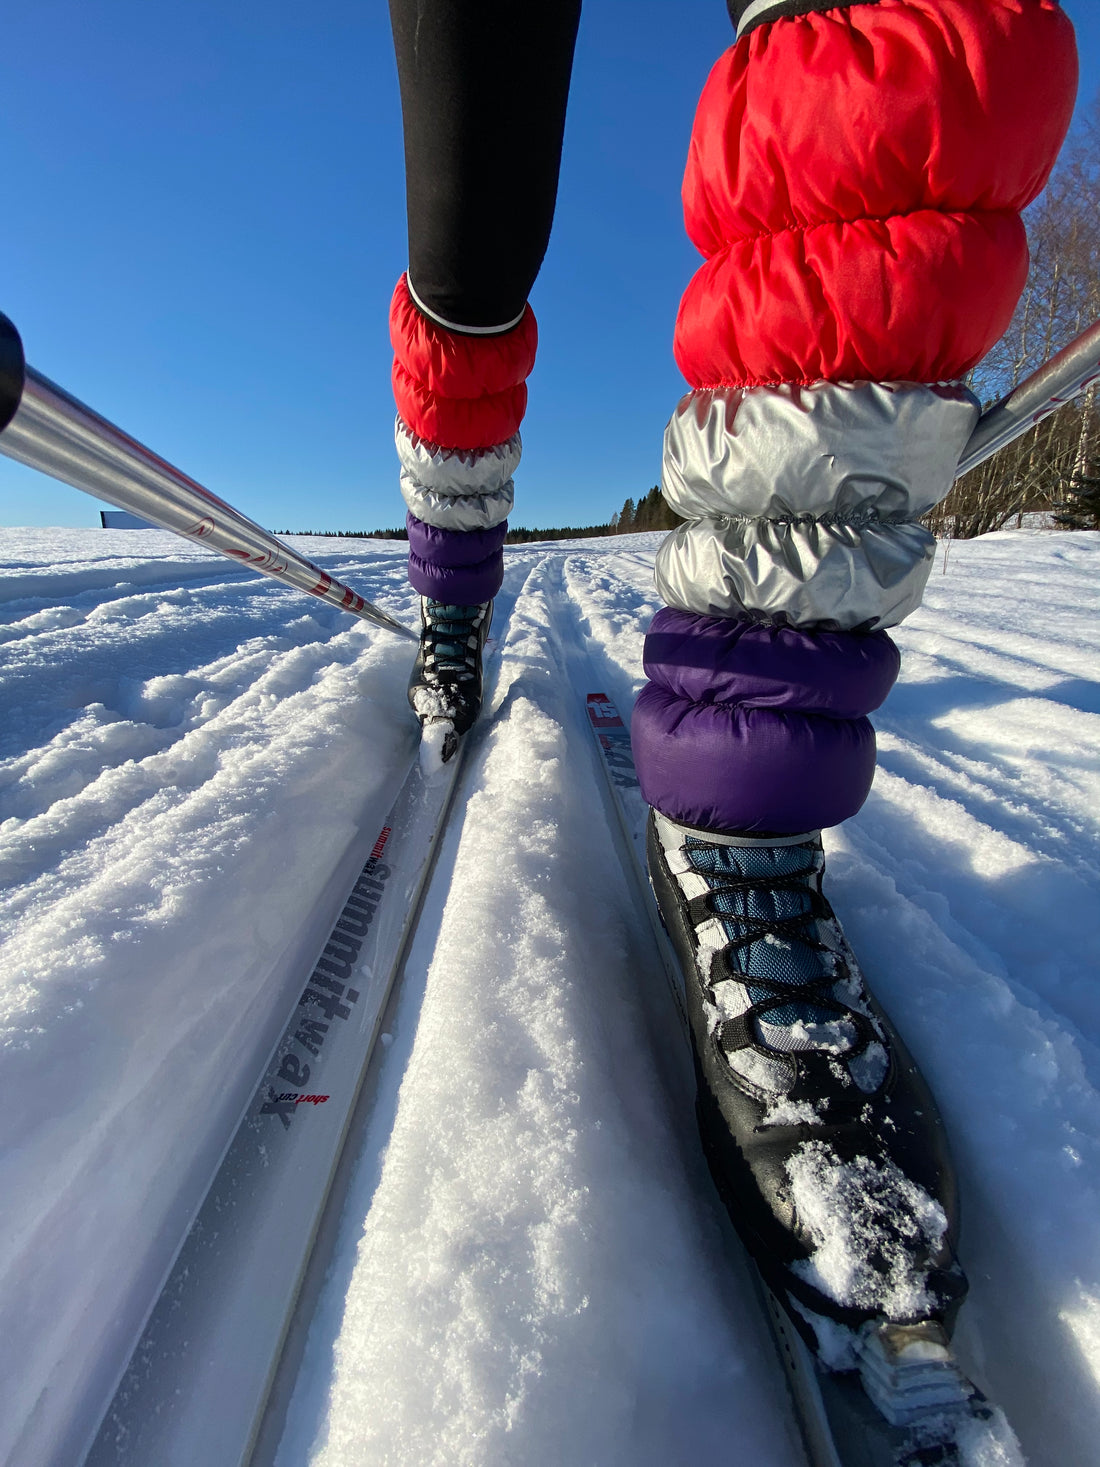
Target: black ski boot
<point>822,1137</point>
<point>445,686</point>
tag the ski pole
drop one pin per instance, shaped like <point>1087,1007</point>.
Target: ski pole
<point>42,426</point>
<point>1075,368</point>
<point>51,431</point>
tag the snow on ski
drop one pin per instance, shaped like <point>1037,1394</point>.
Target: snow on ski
<point>200,1378</point>
<point>940,1419</point>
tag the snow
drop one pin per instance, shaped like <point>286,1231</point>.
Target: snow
<point>186,763</point>
<point>531,1268</point>
<point>988,1444</point>
<point>868,1223</point>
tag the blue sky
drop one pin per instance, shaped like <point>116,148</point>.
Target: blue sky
<point>204,218</point>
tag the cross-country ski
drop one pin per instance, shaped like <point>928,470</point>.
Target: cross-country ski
<point>655,1021</point>
<point>239,1277</point>
<point>530,1220</point>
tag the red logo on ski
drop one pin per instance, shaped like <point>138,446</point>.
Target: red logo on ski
<point>602,713</point>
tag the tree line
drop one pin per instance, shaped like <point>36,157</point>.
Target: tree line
<point>649,513</point>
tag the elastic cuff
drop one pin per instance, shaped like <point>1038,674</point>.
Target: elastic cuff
<point>674,828</point>
<point>749,770</point>
<point>455,325</point>
<point>748,14</point>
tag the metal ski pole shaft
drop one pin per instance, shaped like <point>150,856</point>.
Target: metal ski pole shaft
<point>46,428</point>
<point>42,426</point>
<point>1055,383</point>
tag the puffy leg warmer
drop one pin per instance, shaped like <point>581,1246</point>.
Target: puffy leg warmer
<point>460,400</point>
<point>483,97</point>
<point>855,180</point>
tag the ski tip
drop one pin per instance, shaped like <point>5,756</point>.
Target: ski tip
<point>438,745</point>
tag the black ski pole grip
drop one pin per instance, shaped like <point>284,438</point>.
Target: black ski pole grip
<point>13,371</point>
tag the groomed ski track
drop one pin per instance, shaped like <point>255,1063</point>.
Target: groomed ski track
<point>530,1267</point>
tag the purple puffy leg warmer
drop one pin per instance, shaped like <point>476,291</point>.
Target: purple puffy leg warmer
<point>748,727</point>
<point>800,542</point>
<point>461,567</point>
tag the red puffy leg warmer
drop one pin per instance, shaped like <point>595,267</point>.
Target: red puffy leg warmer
<point>456,390</point>
<point>855,183</point>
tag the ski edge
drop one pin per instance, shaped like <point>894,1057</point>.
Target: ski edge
<point>145,1392</point>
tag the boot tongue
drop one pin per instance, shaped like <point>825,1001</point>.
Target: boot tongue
<point>451,627</point>
<point>780,958</point>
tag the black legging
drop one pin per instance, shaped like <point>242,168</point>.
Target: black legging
<point>483,91</point>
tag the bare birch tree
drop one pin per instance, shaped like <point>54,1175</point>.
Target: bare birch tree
<point>1056,466</point>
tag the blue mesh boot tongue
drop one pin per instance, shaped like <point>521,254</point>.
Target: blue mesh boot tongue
<point>769,896</point>
<point>451,629</point>
<point>445,685</point>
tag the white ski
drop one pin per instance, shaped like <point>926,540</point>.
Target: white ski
<point>617,761</point>
<point>199,1380</point>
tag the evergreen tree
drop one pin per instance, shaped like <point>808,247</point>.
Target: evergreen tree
<point>658,516</point>
<point>643,519</point>
<point>1080,510</point>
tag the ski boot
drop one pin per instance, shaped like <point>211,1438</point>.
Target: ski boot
<point>821,1135</point>
<point>445,686</point>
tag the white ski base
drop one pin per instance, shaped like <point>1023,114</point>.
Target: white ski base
<point>198,1382</point>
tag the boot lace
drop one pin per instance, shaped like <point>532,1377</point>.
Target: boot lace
<point>770,918</point>
<point>450,641</point>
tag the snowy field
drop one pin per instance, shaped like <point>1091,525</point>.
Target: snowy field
<point>532,1270</point>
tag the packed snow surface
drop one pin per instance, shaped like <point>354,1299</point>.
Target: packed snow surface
<point>532,1269</point>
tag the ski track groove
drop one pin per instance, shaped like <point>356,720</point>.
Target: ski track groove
<point>601,1429</point>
